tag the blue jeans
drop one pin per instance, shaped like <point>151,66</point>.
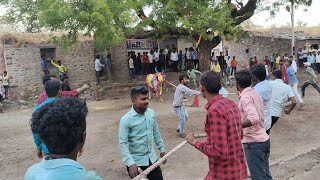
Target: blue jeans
<point>183,117</point>
<point>257,156</point>
<point>132,73</point>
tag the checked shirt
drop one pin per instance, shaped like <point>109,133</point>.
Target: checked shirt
<point>223,146</point>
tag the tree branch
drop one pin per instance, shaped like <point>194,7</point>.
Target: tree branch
<point>245,12</point>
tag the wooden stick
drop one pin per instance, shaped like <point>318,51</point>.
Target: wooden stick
<point>165,157</point>
<point>171,84</point>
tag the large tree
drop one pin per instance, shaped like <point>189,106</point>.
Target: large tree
<point>111,21</point>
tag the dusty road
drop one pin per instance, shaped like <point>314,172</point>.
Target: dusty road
<point>295,151</point>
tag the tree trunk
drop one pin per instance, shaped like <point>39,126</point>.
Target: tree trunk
<point>205,48</point>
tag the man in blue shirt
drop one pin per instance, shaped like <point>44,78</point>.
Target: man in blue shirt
<point>53,90</point>
<point>293,82</point>
<point>138,130</point>
<point>62,126</point>
<point>44,64</point>
<point>264,89</point>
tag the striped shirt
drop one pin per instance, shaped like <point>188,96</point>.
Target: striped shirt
<point>182,90</point>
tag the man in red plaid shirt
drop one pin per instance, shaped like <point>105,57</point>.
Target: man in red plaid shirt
<point>73,93</point>
<point>224,133</point>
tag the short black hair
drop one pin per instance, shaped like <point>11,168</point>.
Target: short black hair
<point>277,73</point>
<point>52,88</point>
<point>290,62</point>
<point>64,77</point>
<point>5,72</point>
<point>259,71</point>
<point>183,76</point>
<point>211,81</point>
<point>98,56</point>
<point>47,78</point>
<point>61,124</point>
<point>244,78</point>
<point>136,91</point>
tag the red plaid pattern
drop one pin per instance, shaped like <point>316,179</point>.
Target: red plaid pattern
<point>43,96</point>
<point>223,146</point>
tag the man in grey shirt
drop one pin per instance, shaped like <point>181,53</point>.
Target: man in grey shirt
<point>178,105</point>
<point>311,79</point>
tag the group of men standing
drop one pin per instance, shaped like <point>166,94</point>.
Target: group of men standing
<point>236,134</point>
<point>164,59</point>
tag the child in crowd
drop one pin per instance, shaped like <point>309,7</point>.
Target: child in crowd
<point>192,76</point>
<point>61,125</point>
<point>65,84</point>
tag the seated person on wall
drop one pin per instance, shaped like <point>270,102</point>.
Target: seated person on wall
<point>61,124</point>
<point>73,93</point>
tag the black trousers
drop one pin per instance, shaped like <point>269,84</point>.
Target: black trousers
<point>306,84</point>
<point>156,174</point>
<point>234,69</point>
<point>98,75</point>
<point>273,121</point>
<point>272,66</point>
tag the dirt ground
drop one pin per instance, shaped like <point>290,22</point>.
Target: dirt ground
<point>295,145</point>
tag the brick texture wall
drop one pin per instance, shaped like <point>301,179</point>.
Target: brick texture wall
<point>80,64</point>
<point>120,63</point>
<point>22,64</point>
<point>2,64</point>
<point>263,46</point>
<point>24,69</point>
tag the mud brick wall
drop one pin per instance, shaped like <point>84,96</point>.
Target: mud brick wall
<point>263,46</point>
<point>2,63</point>
<point>120,63</point>
<point>79,64</point>
<point>22,64</point>
<point>24,69</point>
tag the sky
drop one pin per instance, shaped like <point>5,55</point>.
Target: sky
<point>311,17</point>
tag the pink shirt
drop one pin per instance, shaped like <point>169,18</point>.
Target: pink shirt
<point>251,108</point>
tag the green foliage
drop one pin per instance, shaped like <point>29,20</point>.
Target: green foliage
<point>21,14</point>
<point>275,6</point>
<point>109,22</point>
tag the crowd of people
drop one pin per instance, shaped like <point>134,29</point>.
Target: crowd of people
<point>237,134</point>
<point>168,59</point>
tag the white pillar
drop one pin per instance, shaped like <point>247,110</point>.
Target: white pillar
<point>292,29</point>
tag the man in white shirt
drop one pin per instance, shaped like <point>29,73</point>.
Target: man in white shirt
<point>151,66</point>
<point>131,68</point>
<point>156,58</point>
<point>98,67</point>
<point>174,58</point>
<point>318,61</point>
<point>294,64</point>
<point>280,94</point>
<point>300,57</point>
<point>305,54</point>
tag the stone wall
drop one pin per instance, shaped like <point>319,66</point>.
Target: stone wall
<point>263,46</point>
<point>24,69</point>
<point>79,64</point>
<point>2,63</point>
<point>22,65</point>
<point>119,63</point>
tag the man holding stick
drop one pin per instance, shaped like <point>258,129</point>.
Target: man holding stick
<point>138,130</point>
<point>224,132</point>
<point>178,105</point>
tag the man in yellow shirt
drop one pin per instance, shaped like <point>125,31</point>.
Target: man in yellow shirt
<point>216,67</point>
<point>278,59</point>
<point>60,67</point>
